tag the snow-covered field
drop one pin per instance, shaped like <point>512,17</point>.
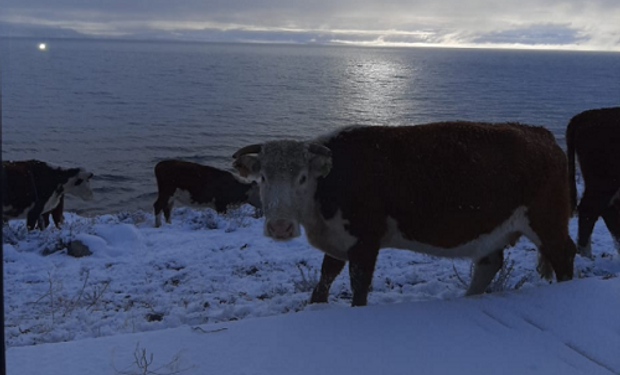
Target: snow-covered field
<point>193,281</point>
<point>570,328</point>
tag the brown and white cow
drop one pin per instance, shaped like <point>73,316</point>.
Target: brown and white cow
<point>594,136</point>
<point>452,189</point>
<point>32,188</point>
<point>199,185</point>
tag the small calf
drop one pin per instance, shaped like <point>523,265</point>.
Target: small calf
<point>199,185</point>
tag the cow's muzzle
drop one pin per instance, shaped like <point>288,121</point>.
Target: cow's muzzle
<point>281,229</point>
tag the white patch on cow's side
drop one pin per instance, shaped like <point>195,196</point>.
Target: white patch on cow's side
<point>185,198</point>
<point>502,236</point>
<point>181,196</point>
<point>331,237</point>
<point>51,202</point>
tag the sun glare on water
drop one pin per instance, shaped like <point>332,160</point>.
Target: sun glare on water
<point>42,46</point>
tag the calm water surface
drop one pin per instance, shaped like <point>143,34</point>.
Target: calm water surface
<point>117,108</point>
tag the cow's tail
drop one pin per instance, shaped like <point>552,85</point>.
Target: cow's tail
<point>570,151</point>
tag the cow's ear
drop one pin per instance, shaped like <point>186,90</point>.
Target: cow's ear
<point>248,166</point>
<point>321,165</point>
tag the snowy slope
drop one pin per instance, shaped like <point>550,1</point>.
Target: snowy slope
<point>570,328</point>
<point>218,271</point>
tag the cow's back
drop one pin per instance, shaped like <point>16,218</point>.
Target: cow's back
<point>460,175</point>
<point>204,183</point>
<point>596,138</point>
<point>183,174</point>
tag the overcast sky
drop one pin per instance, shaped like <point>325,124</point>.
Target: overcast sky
<point>566,24</point>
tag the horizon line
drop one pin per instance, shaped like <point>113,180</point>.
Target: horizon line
<point>330,43</point>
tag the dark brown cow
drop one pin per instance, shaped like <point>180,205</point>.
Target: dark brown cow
<point>199,185</point>
<point>33,187</point>
<point>594,136</point>
<point>453,189</point>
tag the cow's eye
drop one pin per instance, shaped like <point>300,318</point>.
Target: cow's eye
<point>78,182</point>
<point>262,178</point>
<point>302,180</point>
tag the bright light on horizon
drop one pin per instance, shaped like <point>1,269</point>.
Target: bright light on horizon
<point>42,46</point>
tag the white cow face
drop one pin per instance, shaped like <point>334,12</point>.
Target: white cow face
<point>287,173</point>
<point>79,185</point>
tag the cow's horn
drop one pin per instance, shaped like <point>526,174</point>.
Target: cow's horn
<point>318,149</point>
<point>251,149</point>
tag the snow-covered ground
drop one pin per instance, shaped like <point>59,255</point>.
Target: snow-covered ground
<point>196,282</point>
<point>570,328</point>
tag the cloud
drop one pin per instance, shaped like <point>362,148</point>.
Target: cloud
<point>526,23</point>
<point>547,34</point>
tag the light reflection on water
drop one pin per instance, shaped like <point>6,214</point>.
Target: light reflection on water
<point>377,89</point>
<point>119,107</point>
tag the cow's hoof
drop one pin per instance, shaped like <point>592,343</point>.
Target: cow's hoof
<point>585,251</point>
<point>318,297</point>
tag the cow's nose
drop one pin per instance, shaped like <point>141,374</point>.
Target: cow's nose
<point>280,229</point>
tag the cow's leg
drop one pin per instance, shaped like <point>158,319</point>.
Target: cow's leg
<point>362,259</point>
<point>43,221</point>
<point>612,220</point>
<point>156,211</point>
<point>330,269</point>
<point>220,207</point>
<point>168,210</point>
<point>160,204</point>
<point>46,220</point>
<point>33,217</point>
<point>592,205</point>
<point>555,255</point>
<point>484,272</point>
<point>556,250</point>
<point>547,227</point>
<point>57,213</point>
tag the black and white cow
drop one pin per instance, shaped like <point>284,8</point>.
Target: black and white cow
<point>33,188</point>
<point>453,189</point>
<point>199,185</point>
